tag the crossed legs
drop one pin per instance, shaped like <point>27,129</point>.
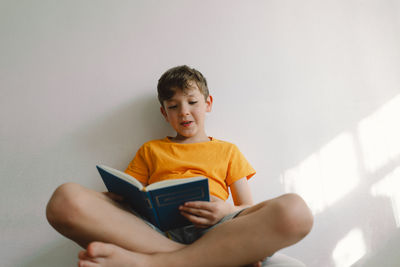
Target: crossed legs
<point>124,240</point>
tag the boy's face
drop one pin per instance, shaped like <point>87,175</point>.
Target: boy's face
<point>186,112</point>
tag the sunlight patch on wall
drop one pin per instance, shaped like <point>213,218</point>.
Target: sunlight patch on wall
<point>390,187</point>
<point>350,249</point>
<point>380,135</point>
<point>327,175</point>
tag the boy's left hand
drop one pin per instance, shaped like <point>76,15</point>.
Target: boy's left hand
<point>204,214</point>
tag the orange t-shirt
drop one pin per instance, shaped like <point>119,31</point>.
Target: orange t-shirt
<point>221,162</point>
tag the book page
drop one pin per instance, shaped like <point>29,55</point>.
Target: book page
<point>124,176</point>
<point>172,182</point>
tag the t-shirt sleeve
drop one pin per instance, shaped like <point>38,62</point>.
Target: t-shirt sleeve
<point>138,167</point>
<point>238,167</point>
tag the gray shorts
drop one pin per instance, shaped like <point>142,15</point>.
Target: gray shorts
<point>188,234</point>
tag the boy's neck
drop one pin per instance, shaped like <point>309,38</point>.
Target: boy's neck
<point>185,140</point>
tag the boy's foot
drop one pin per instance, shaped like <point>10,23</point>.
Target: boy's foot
<point>108,255</point>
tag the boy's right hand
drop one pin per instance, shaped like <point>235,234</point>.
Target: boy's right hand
<point>204,214</point>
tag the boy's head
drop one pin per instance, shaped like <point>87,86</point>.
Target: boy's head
<point>184,99</point>
<point>180,78</point>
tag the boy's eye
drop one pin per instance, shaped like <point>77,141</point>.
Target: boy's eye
<point>172,107</point>
<point>192,102</point>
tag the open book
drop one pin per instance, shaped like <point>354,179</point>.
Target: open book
<point>158,202</point>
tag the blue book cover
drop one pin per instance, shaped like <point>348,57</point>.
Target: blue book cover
<point>158,202</point>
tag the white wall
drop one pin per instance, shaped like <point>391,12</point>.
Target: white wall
<point>309,90</point>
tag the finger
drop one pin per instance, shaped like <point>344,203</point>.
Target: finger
<point>196,211</point>
<point>204,205</point>
<point>200,222</point>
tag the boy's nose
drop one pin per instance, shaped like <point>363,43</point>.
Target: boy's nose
<point>184,110</point>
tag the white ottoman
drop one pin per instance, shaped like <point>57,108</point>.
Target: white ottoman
<point>280,260</point>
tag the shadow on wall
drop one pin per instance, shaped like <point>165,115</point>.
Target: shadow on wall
<point>121,131</point>
<point>353,182</point>
<point>114,136</point>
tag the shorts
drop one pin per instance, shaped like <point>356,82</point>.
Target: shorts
<point>188,234</point>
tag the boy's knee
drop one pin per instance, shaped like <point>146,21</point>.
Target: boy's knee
<point>64,205</point>
<point>294,218</point>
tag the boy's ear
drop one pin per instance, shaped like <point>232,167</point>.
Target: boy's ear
<point>209,103</point>
<point>164,113</point>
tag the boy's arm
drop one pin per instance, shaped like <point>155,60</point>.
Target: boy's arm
<point>241,194</point>
<point>204,214</point>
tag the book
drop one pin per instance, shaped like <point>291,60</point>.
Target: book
<point>158,202</point>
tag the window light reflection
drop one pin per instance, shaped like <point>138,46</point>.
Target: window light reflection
<point>350,249</point>
<point>390,187</point>
<point>379,135</point>
<point>327,175</point>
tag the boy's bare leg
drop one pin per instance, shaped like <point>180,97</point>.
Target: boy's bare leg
<point>256,233</point>
<point>85,216</point>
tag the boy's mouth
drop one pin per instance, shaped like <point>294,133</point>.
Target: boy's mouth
<point>186,123</point>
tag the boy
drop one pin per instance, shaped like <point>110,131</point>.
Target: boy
<point>222,234</point>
